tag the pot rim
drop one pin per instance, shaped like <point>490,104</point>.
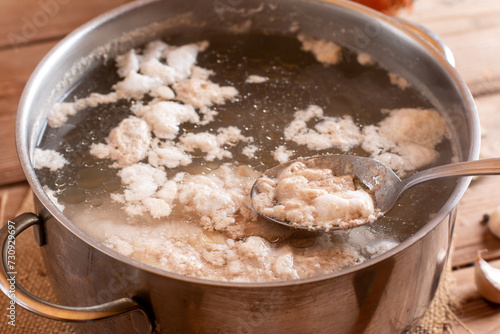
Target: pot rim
<point>22,146</point>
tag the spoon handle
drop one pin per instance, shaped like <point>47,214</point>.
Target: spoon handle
<point>478,167</point>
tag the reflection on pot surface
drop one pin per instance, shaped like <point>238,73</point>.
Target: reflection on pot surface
<point>154,154</point>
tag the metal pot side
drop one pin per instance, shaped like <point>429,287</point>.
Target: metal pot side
<point>385,297</point>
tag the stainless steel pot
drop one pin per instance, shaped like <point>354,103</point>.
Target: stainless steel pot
<point>385,295</point>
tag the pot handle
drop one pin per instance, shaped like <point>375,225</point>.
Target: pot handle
<point>430,37</point>
<point>11,288</point>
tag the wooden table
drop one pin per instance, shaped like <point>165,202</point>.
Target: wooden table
<point>471,28</point>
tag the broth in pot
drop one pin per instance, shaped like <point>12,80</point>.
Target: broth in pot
<point>154,154</point>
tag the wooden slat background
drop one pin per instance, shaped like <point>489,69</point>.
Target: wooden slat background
<point>471,28</point>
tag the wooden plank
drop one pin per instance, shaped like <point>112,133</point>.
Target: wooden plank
<point>471,29</point>
<point>489,115</point>
<point>16,67</point>
<point>10,169</point>
<point>29,21</point>
<point>483,196</point>
<point>11,198</point>
<point>479,315</point>
<point>470,235</point>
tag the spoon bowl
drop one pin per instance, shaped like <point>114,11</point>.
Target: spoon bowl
<point>381,182</point>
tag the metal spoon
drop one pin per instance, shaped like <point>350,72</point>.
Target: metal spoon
<point>382,182</point>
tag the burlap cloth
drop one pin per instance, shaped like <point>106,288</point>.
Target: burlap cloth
<point>31,272</point>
